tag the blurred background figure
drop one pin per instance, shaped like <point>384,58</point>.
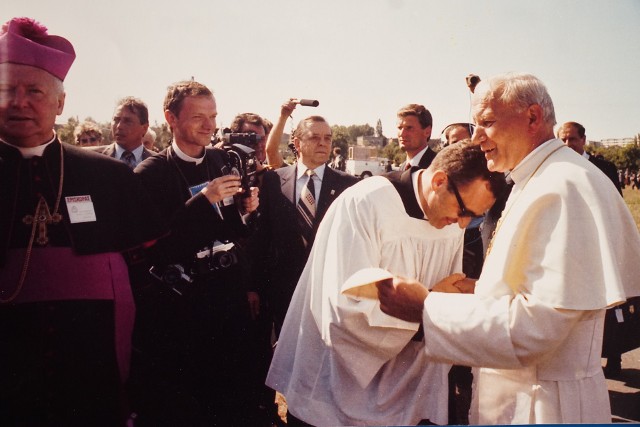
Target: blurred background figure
<point>457,132</point>
<point>87,134</point>
<point>149,140</point>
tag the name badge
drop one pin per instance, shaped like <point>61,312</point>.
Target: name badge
<point>80,209</point>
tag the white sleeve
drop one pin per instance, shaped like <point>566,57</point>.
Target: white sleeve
<point>507,332</point>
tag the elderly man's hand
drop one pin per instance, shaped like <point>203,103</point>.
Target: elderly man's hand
<point>402,298</point>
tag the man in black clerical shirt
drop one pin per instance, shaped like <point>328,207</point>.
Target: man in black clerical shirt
<point>189,335</point>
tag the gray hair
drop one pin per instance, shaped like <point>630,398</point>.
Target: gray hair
<point>519,90</point>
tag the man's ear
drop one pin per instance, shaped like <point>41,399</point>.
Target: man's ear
<point>534,114</point>
<point>438,179</point>
<point>61,99</point>
<point>170,118</point>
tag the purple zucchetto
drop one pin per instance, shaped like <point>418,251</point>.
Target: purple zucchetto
<point>25,41</point>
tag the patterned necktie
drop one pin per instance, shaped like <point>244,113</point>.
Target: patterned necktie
<point>129,159</point>
<point>307,208</point>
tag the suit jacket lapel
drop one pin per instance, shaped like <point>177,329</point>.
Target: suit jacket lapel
<point>288,183</point>
<point>111,150</point>
<point>328,193</point>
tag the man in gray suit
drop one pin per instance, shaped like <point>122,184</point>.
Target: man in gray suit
<point>129,124</point>
<point>283,241</point>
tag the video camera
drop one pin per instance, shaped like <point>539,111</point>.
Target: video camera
<point>218,256</point>
<point>242,156</point>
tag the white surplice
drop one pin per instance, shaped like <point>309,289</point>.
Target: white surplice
<point>341,361</point>
<point>566,250</point>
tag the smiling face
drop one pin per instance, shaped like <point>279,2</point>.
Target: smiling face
<point>30,100</point>
<point>502,134</point>
<point>194,125</point>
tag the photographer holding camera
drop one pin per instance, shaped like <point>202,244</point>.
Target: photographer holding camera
<point>189,330</point>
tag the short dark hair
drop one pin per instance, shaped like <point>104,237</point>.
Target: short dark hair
<point>251,118</point>
<point>464,162</point>
<point>469,127</point>
<point>137,107</point>
<point>303,124</point>
<point>177,92</point>
<point>423,115</point>
<point>581,130</point>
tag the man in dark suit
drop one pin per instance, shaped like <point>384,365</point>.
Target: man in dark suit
<point>129,125</point>
<point>574,136</point>
<point>281,245</point>
<point>414,132</point>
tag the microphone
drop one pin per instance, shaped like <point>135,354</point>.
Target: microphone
<point>307,102</point>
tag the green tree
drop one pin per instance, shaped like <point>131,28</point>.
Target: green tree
<point>65,132</point>
<point>393,152</point>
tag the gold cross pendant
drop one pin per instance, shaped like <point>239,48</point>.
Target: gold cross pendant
<point>41,219</point>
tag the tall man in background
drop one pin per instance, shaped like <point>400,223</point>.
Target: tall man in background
<point>414,131</point>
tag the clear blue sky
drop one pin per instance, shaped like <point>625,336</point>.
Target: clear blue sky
<point>361,59</point>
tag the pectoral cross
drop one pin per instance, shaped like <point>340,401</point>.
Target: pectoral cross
<point>41,219</point>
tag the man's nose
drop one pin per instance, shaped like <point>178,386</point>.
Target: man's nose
<point>18,98</point>
<point>478,136</point>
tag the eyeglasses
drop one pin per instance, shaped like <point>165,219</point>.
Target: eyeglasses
<point>464,212</point>
<point>87,140</point>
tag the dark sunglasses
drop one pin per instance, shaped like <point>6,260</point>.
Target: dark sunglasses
<point>464,212</point>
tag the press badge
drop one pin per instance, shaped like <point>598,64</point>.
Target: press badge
<point>80,209</point>
<point>619,315</point>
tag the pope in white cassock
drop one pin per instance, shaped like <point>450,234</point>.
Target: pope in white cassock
<point>565,249</point>
<point>339,359</point>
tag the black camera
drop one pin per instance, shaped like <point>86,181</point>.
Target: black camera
<point>178,277</point>
<point>242,157</point>
<point>218,256</point>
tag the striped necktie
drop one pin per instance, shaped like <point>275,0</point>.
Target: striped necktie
<point>307,208</point>
<point>129,159</point>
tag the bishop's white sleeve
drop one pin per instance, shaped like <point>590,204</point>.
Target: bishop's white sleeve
<point>507,332</point>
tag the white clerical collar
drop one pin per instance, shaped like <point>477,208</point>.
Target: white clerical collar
<point>319,171</point>
<point>529,164</point>
<point>415,161</point>
<point>182,156</point>
<point>29,152</point>
<point>137,152</point>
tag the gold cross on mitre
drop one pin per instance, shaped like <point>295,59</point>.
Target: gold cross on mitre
<point>41,219</point>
